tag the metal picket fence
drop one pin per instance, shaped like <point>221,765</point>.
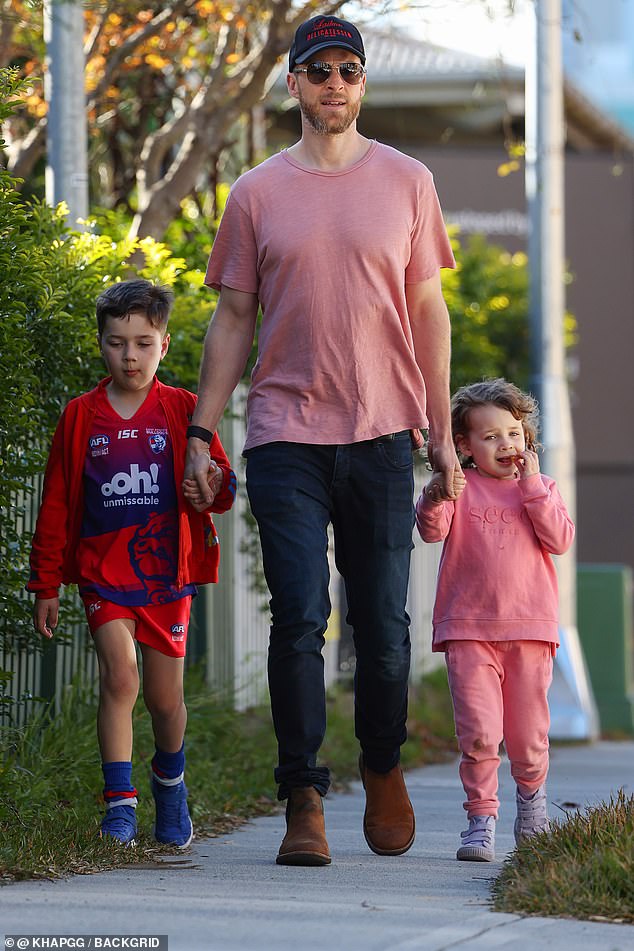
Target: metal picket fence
<point>40,676</point>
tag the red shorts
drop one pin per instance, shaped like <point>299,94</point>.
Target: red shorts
<point>161,626</point>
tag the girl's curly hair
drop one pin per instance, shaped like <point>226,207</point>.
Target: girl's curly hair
<point>501,393</point>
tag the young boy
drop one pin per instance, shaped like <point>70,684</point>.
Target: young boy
<point>113,519</point>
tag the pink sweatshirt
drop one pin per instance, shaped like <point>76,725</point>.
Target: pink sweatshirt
<point>497,580</point>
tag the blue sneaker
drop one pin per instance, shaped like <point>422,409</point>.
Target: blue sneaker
<point>173,824</point>
<point>119,823</point>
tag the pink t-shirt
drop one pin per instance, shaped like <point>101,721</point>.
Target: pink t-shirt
<point>329,255</point>
<point>497,580</point>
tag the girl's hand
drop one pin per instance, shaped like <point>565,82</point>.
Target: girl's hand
<point>45,614</point>
<point>527,463</point>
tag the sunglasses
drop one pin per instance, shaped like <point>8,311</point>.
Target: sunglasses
<point>318,73</point>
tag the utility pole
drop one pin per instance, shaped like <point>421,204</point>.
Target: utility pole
<point>572,704</point>
<point>67,162</point>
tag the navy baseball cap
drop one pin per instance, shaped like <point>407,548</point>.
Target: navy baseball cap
<point>320,33</point>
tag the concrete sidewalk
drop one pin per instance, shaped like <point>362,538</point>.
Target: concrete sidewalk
<point>228,895</point>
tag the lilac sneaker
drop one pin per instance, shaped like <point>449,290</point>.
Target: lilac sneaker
<point>532,815</point>
<point>478,842</point>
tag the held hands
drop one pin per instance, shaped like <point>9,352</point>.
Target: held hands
<point>45,614</point>
<point>435,489</point>
<point>202,482</point>
<point>448,480</point>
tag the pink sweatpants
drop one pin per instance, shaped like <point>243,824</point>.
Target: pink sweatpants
<point>499,689</point>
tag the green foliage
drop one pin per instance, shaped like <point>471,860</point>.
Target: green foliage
<point>50,777</point>
<point>51,277</point>
<point>583,867</point>
<point>44,352</point>
<point>487,297</point>
<point>51,781</point>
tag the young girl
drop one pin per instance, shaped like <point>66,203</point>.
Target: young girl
<point>496,609</point>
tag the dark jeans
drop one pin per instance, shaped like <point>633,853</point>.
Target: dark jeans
<point>366,490</point>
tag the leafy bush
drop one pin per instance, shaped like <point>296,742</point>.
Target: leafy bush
<point>487,297</point>
<point>52,276</point>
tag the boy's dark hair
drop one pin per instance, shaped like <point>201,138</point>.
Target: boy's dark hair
<point>501,393</point>
<point>135,296</point>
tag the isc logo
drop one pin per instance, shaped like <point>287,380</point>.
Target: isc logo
<point>127,434</point>
<point>101,440</point>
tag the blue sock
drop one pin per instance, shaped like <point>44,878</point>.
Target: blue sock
<point>169,768</point>
<point>118,789</point>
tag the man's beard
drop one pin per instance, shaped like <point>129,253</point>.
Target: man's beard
<point>335,125</point>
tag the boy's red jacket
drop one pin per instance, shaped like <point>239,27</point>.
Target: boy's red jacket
<point>56,538</point>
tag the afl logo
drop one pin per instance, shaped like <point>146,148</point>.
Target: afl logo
<point>97,441</point>
<point>157,442</point>
<point>178,632</point>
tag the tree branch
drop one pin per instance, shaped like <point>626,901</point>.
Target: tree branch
<point>158,144</point>
<point>7,26</point>
<point>24,154</point>
<point>216,106</point>
<point>93,37</point>
<point>118,56</point>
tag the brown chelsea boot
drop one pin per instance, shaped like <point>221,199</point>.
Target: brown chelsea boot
<point>305,839</point>
<point>388,824</point>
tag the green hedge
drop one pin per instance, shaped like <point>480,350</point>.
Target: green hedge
<point>51,277</point>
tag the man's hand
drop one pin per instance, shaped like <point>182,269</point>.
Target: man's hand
<point>45,614</point>
<point>448,479</point>
<point>203,477</point>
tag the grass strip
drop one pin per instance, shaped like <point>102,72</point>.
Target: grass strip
<point>51,804</point>
<point>51,782</point>
<point>583,868</point>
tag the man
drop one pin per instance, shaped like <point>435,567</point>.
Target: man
<point>339,240</point>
